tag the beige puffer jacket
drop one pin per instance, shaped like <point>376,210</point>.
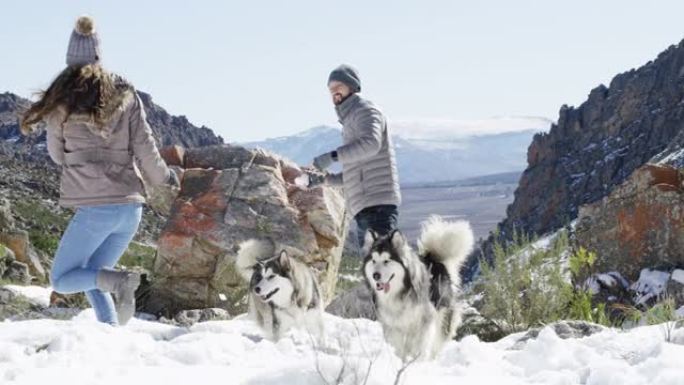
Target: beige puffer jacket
<point>369,168</point>
<point>99,165</point>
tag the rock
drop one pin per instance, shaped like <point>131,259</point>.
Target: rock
<point>611,290</point>
<point>228,156</point>
<point>18,242</point>
<point>18,272</point>
<point>160,198</point>
<point>639,225</point>
<point>6,295</point>
<point>6,219</point>
<point>649,288</point>
<point>190,317</point>
<point>71,301</point>
<point>473,323</point>
<point>14,306</point>
<point>6,259</point>
<point>675,287</point>
<point>173,155</point>
<point>594,147</point>
<point>353,303</point>
<point>564,330</point>
<point>230,194</point>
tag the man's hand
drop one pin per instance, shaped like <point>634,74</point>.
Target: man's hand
<point>324,161</point>
<point>316,180</point>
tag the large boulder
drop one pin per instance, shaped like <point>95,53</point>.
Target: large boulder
<point>230,194</point>
<point>639,225</point>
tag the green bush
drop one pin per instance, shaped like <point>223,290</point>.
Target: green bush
<point>527,286</point>
<point>44,226</point>
<point>138,254</point>
<point>581,305</point>
<point>662,312</point>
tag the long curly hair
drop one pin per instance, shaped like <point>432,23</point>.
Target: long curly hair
<point>85,89</point>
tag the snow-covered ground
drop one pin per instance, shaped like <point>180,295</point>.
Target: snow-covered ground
<point>82,351</point>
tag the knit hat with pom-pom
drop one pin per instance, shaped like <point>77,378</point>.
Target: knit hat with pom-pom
<point>84,45</point>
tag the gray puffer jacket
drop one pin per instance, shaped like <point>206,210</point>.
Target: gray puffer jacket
<point>369,171</point>
<point>99,165</point>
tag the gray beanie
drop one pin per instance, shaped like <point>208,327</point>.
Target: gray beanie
<point>84,45</point>
<point>347,75</point>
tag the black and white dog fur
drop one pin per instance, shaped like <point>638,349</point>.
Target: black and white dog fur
<point>283,292</point>
<point>415,293</point>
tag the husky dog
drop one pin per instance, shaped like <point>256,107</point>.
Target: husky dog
<point>415,293</point>
<point>283,292</point>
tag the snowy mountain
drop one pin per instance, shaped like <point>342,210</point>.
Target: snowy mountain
<point>431,151</point>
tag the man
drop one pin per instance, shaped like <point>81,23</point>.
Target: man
<point>369,172</point>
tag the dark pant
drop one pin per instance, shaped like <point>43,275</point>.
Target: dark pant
<point>382,219</point>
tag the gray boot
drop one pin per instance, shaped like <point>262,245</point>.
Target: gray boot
<point>122,285</point>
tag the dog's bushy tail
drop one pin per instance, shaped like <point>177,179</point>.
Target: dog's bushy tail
<point>249,253</point>
<point>448,243</point>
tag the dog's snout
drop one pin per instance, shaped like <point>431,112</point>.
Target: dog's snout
<point>376,276</point>
<point>257,290</point>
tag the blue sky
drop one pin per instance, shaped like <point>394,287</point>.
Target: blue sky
<point>256,69</point>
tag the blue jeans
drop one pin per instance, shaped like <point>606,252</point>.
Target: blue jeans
<point>382,219</point>
<point>95,238</point>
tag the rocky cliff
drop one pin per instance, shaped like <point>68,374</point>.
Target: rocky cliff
<point>594,147</point>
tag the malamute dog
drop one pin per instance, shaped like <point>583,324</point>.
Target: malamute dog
<point>415,294</point>
<point>283,291</point>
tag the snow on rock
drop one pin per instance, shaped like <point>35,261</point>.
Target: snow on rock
<point>650,285</point>
<point>680,312</point>
<point>37,295</point>
<point>678,275</point>
<point>82,351</point>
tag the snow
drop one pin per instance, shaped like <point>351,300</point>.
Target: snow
<point>351,278</point>
<point>651,284</point>
<point>610,279</point>
<point>302,180</point>
<point>607,280</point>
<point>672,157</point>
<point>82,351</point>
<point>678,275</point>
<point>35,294</point>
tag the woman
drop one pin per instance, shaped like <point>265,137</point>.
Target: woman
<point>96,129</point>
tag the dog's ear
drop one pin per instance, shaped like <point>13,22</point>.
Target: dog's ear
<point>284,260</point>
<point>397,239</point>
<point>368,240</point>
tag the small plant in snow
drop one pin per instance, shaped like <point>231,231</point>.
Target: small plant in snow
<point>525,286</point>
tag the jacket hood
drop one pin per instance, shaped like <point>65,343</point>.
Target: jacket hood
<point>123,95</point>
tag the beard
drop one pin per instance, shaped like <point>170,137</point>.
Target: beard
<point>339,98</point>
